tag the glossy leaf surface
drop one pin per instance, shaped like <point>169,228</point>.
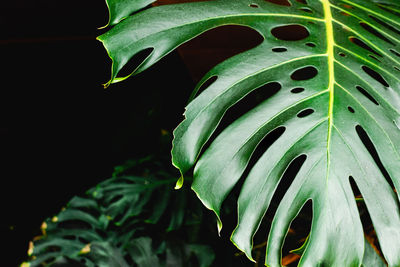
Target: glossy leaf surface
<point>334,67</point>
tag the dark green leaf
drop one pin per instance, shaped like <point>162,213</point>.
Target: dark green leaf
<point>345,120</point>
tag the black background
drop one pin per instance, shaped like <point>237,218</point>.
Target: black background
<point>60,131</point>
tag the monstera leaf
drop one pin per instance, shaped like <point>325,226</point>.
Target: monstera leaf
<point>124,221</point>
<point>331,73</point>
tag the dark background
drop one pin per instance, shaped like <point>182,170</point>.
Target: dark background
<point>60,131</point>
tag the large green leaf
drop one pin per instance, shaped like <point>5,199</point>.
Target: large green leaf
<point>338,90</point>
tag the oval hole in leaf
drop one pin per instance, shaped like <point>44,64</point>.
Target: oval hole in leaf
<point>254,5</point>
<point>347,6</point>
<point>304,73</point>
<point>375,32</point>
<point>369,145</point>
<point>135,62</point>
<point>342,54</point>
<point>292,32</point>
<point>244,105</point>
<point>386,25</point>
<point>344,13</point>
<point>375,75</point>
<point>363,45</point>
<point>204,86</point>
<point>374,57</point>
<point>389,10</point>
<point>306,9</point>
<point>279,49</point>
<point>395,52</point>
<point>280,2</point>
<point>311,44</point>
<point>350,109</point>
<point>305,113</point>
<point>367,95</point>
<point>297,90</point>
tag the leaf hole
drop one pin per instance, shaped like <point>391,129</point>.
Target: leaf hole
<point>305,113</point>
<point>254,5</point>
<point>297,90</point>
<point>306,9</point>
<point>345,14</point>
<point>305,73</point>
<point>375,75</point>
<point>363,45</point>
<point>386,25</point>
<point>133,64</point>
<point>389,10</point>
<point>311,44</point>
<point>350,109</point>
<point>342,54</point>
<point>376,33</point>
<point>263,146</point>
<point>372,56</point>
<point>367,95</point>
<point>288,177</point>
<point>395,52</point>
<point>354,188</point>
<point>369,145</point>
<point>279,49</point>
<point>292,32</point>
<point>204,86</point>
<point>244,105</point>
<point>347,6</point>
<point>280,2</point>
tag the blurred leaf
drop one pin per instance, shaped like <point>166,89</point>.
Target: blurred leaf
<point>119,220</point>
